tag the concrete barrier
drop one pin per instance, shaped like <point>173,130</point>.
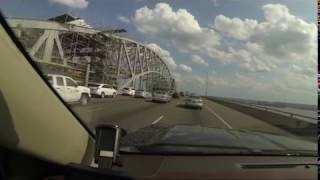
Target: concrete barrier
<point>291,124</point>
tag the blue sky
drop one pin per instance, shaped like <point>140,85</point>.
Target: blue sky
<point>230,45</point>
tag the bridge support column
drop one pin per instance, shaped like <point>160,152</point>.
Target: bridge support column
<point>49,46</point>
<point>87,74</point>
<point>119,65</point>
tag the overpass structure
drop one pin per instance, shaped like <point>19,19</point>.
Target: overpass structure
<point>89,55</point>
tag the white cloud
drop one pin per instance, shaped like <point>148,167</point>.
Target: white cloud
<point>180,28</point>
<point>250,57</point>
<point>199,60</point>
<point>280,40</point>
<point>124,19</point>
<point>235,27</point>
<point>77,4</point>
<point>177,77</point>
<point>164,54</point>
<point>192,83</point>
<point>163,18</point>
<point>304,71</point>
<point>80,22</point>
<point>185,68</point>
<point>277,13</point>
<point>282,46</point>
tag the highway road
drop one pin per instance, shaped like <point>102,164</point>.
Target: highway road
<point>132,114</point>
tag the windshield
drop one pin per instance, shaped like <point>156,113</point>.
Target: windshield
<point>49,79</point>
<point>195,97</point>
<point>252,65</point>
<point>93,85</point>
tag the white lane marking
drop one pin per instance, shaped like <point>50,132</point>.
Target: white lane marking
<point>219,117</point>
<point>157,120</point>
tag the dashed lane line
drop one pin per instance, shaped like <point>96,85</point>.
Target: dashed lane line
<point>219,117</point>
<point>157,120</point>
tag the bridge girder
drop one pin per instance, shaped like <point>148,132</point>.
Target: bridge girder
<point>89,55</point>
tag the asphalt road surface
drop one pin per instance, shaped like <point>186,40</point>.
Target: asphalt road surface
<point>132,114</point>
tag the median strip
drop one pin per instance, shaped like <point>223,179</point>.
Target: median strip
<point>157,120</point>
<point>219,117</point>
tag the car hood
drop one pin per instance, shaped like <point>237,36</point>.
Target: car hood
<point>197,139</point>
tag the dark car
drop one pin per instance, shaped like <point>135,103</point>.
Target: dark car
<point>176,95</point>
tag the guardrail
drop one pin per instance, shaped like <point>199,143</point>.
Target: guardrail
<point>309,119</point>
<point>289,113</point>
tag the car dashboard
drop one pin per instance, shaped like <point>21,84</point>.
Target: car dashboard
<point>160,166</point>
<point>218,167</point>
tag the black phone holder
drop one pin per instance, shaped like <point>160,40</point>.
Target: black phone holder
<point>108,139</point>
<point>106,155</point>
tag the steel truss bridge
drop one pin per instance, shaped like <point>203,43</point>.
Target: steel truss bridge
<point>92,56</point>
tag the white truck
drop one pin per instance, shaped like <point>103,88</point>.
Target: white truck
<point>68,89</point>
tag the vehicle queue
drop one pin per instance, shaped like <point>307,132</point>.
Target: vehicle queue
<point>71,92</point>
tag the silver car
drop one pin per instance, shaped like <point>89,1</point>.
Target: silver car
<point>161,97</point>
<point>194,102</point>
<point>142,94</point>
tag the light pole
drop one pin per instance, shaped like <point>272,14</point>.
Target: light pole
<point>206,93</point>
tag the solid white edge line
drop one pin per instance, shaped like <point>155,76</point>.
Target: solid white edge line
<point>157,120</point>
<point>219,117</point>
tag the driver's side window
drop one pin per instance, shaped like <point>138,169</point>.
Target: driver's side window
<point>70,82</point>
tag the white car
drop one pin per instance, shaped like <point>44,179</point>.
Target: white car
<point>128,91</point>
<point>194,102</point>
<point>142,94</point>
<point>68,89</point>
<point>102,90</point>
<point>161,97</point>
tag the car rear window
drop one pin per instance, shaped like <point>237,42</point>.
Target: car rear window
<point>93,85</point>
<point>107,86</point>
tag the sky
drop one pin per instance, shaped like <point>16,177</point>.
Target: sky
<point>251,49</point>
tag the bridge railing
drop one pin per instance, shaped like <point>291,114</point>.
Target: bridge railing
<point>312,120</point>
<point>299,116</point>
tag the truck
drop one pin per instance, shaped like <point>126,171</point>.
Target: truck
<point>68,89</point>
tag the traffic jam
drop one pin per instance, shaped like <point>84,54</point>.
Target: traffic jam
<point>69,90</point>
